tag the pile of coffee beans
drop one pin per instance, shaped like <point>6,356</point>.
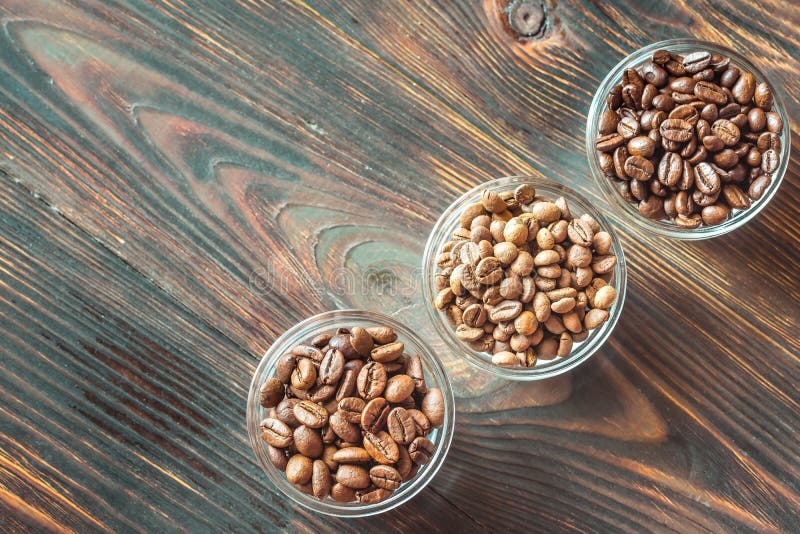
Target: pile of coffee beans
<point>350,414</point>
<point>689,138</point>
<point>523,279</point>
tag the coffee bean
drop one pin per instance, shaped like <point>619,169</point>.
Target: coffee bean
<point>331,367</point>
<point>374,415</point>
<point>735,197</point>
<point>276,432</point>
<point>307,441</point>
<point>299,469</point>
<point>381,447</point>
<point>385,477</point>
<point>641,146</point>
<point>388,352</point>
<point>351,408</point>
<point>308,351</point>
<point>607,123</point>
<point>343,428</point>
<point>342,493</point>
<point>310,414</point>
<point>433,406</point>
<point>320,479</point>
<point>769,161</point>
<point>639,168</point>
<point>398,387</point>
<point>696,61</point>
<point>271,393</point>
<point>353,476</point>
<point>372,380</point>
<point>609,142</point>
<point>352,455</point>
<point>677,130</point>
<point>421,450</point>
<point>304,374</point>
<point>710,92</point>
<point>401,426</point>
<point>374,496</point>
<point>594,318</point>
<point>706,179</point>
<point>744,88</point>
<point>286,364</point>
<point>759,186</point>
<point>278,457</point>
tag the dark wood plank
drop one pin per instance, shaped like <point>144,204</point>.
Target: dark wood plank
<point>233,164</point>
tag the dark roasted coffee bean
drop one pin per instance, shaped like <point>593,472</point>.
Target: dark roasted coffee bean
<point>684,204</point>
<point>713,143</point>
<point>608,122</point>
<point>660,57</point>
<point>639,189</point>
<point>663,102</point>
<point>706,179</point>
<point>701,199</point>
<point>669,169</point>
<point>619,157</point>
<point>726,158</point>
<point>729,77</point>
<point>685,112</point>
<point>652,207</point>
<point>684,85</point>
<point>641,146</point>
<point>639,168</point>
<point>757,120</point>
<point>759,186</point>
<point>729,111</point>
<point>688,222</point>
<point>735,197</point>
<point>710,92</point>
<point>774,122</point>
<point>715,214</point>
<point>628,128</point>
<point>669,205</point>
<point>727,131</point>
<point>658,189</point>
<point>744,88</point>
<point>654,74</point>
<point>696,61</point>
<point>632,95</point>
<point>677,130</point>
<point>768,140</point>
<point>421,450</point>
<point>762,96</point>
<point>769,161</point>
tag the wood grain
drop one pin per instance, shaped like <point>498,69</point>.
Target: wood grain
<point>181,183</point>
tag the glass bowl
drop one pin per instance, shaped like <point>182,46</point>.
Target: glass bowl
<point>442,232</point>
<point>435,376</point>
<point>665,227</point>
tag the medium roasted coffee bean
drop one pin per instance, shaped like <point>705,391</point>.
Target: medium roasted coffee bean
<point>285,366</point>
<point>385,477</point>
<point>382,334</point>
<point>401,426</point>
<point>331,367</point>
<point>421,450</point>
<point>307,441</point>
<point>278,457</point>
<point>271,392</point>
<point>398,387</point>
<point>422,424</point>
<point>353,476</point>
<point>276,433</point>
<point>715,214</point>
<point>769,161</point>
<point>351,409</point>
<point>342,493</point>
<point>299,469</point>
<point>387,353</point>
<point>352,455</point>
<point>371,380</point>
<point>696,61</point>
<point>304,374</point>
<point>308,351</point>
<point>343,428</point>
<point>505,311</point>
<point>320,479</point>
<point>381,447</point>
<point>433,406</point>
<point>311,414</point>
<point>727,131</point>
<point>374,496</point>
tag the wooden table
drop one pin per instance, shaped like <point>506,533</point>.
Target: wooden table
<point>182,181</point>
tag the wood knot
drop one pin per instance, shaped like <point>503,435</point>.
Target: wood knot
<point>527,18</point>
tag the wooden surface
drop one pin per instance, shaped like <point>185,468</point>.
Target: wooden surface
<point>182,181</point>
